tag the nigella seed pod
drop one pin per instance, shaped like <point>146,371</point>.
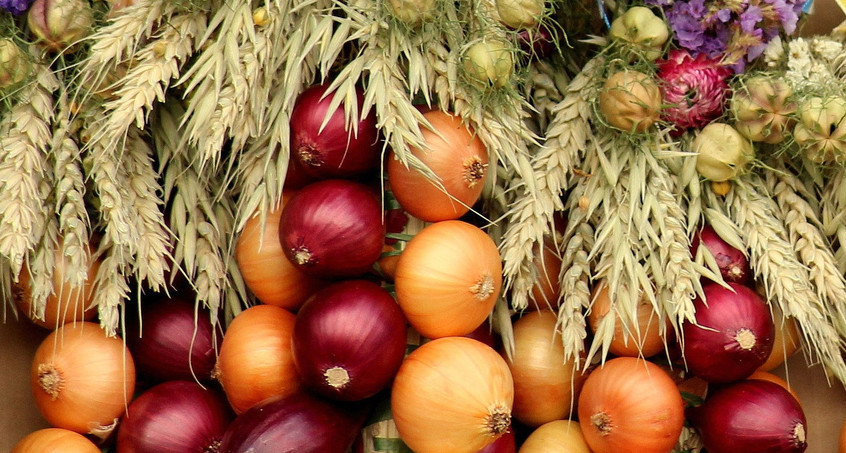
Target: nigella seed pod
<point>14,64</point>
<point>821,131</point>
<point>630,101</point>
<point>413,12</point>
<point>722,153</point>
<point>643,30</point>
<point>763,109</point>
<point>489,62</point>
<point>517,14</point>
<point>59,24</point>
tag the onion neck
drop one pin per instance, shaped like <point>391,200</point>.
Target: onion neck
<point>745,339</point>
<point>799,434</point>
<point>602,423</point>
<point>498,421</point>
<point>50,379</point>
<point>310,155</point>
<point>303,256</point>
<point>337,377</point>
<point>483,288</point>
<point>474,171</point>
<point>214,447</point>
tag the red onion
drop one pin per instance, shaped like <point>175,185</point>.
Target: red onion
<point>733,263</point>
<point>506,443</point>
<point>333,229</point>
<point>751,416</point>
<point>298,423</point>
<point>734,335</point>
<point>174,417</point>
<point>537,42</point>
<point>173,341</point>
<point>333,150</point>
<point>349,340</point>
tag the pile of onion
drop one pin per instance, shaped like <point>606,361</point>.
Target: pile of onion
<point>452,394</point>
<point>174,417</point>
<point>323,144</point>
<point>349,340</point>
<point>561,436</point>
<point>459,161</point>
<point>448,279</point>
<point>81,379</point>
<point>172,340</point>
<point>733,334</point>
<point>751,416</point>
<point>333,229</point>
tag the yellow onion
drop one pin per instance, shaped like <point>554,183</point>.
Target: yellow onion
<point>452,394</point>
<point>643,30</point>
<point>630,101</point>
<point>722,153</point>
<point>413,12</point>
<point>519,13</point>
<point>821,131</point>
<point>557,436</point>
<point>488,62</point>
<point>762,110</point>
<point>59,24</point>
<point>14,64</point>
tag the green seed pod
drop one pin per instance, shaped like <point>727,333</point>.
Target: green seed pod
<point>59,24</point>
<point>518,14</point>
<point>14,64</point>
<point>821,131</point>
<point>641,28</point>
<point>722,152</point>
<point>413,12</point>
<point>763,110</point>
<point>489,62</point>
<point>630,101</point>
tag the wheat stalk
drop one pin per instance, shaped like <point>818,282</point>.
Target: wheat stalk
<point>531,215</point>
<point>26,136</point>
<point>786,280</point>
<point>152,248</point>
<point>833,213</point>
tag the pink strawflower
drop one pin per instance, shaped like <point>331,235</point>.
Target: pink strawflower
<point>694,89</point>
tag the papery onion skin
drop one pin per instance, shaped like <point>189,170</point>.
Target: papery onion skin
<point>787,340</point>
<point>326,149</point>
<point>172,341</point>
<point>630,404</point>
<point>645,339</point>
<point>297,423</point>
<point>842,448</point>
<point>452,394</point>
<point>255,360</point>
<point>349,340</point>
<point>767,376</point>
<point>448,279</point>
<point>333,229</point>
<point>734,335</point>
<point>546,384</point>
<point>174,417</point>
<point>733,263</point>
<point>55,440</point>
<point>751,416</point>
<point>458,158</point>
<point>267,272</point>
<point>82,379</point>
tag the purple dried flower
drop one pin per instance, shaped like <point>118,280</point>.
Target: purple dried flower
<point>16,7</point>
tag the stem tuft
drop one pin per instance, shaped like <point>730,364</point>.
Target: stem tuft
<point>483,288</point>
<point>602,422</point>
<point>498,421</point>
<point>746,339</point>
<point>337,377</point>
<point>50,379</point>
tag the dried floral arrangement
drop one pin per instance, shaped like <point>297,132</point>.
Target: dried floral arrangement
<point>159,128</point>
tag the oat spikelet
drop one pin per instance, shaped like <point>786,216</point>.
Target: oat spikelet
<point>786,280</point>
<point>531,215</point>
<point>152,250</point>
<point>25,137</point>
<point>812,248</point>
